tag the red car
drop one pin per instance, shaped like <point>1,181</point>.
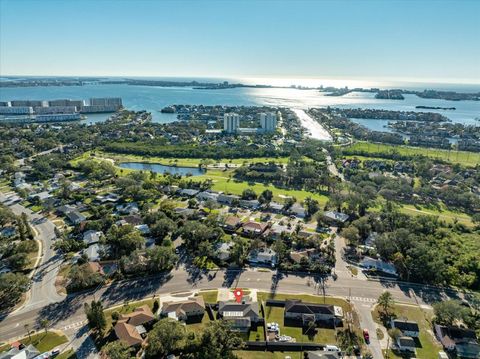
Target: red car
<point>366,336</point>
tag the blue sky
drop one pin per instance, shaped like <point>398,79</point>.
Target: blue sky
<point>430,40</point>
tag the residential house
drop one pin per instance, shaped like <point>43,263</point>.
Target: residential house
<point>127,208</point>
<point>406,344</point>
<point>250,204</point>
<point>298,310</point>
<point>94,252</point>
<point>130,327</point>
<point>378,265</point>
<point>254,229</point>
<point>227,199</point>
<point>185,309</point>
<point>188,192</point>
<point>408,328</point>
<point>263,256</point>
<point>276,231</point>
<point>306,254</point>
<point>133,219</point>
<point>28,352</point>
<point>240,315</point>
<point>108,198</point>
<point>298,211</point>
<point>223,250</point>
<point>335,217</point>
<point>75,217</point>
<point>275,207</point>
<point>63,210</point>
<point>231,223</point>
<point>143,228</point>
<point>207,196</point>
<point>91,237</point>
<point>463,342</point>
<point>42,196</point>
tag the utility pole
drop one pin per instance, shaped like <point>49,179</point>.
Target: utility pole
<point>387,355</point>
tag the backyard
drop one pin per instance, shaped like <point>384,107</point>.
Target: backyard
<point>427,347</point>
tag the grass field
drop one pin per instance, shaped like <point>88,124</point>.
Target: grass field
<point>427,347</point>
<point>462,157</point>
<point>185,162</point>
<point>42,341</point>
<point>222,180</point>
<point>443,214</point>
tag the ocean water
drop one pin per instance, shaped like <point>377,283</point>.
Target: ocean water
<point>153,99</point>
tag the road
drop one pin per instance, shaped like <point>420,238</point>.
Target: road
<point>44,275</point>
<point>70,311</point>
<point>331,166</point>
<point>21,161</point>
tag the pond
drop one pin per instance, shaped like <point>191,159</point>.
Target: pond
<point>159,168</point>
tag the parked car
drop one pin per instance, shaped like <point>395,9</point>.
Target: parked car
<point>366,336</point>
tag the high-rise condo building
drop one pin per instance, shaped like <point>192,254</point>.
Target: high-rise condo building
<point>268,121</point>
<point>231,121</point>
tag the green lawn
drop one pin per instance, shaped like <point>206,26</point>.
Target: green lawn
<point>275,314</point>
<point>209,296</point>
<point>462,157</point>
<point>222,182</point>
<point>428,347</point>
<point>69,354</point>
<point>245,354</point>
<point>444,214</point>
<point>45,342</point>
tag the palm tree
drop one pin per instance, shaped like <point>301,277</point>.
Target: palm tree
<point>27,328</point>
<point>386,302</point>
<point>45,323</point>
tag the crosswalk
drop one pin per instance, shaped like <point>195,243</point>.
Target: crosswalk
<point>362,299</point>
<point>75,325</point>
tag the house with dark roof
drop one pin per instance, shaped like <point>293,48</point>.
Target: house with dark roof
<point>75,217</point>
<point>408,328</point>
<point>249,204</point>
<point>188,192</point>
<point>240,315</point>
<point>311,312</point>
<point>461,341</point>
<point>227,198</point>
<point>185,309</point>
<point>406,344</point>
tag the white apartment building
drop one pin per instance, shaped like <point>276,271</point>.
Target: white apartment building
<point>268,121</point>
<point>231,121</point>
